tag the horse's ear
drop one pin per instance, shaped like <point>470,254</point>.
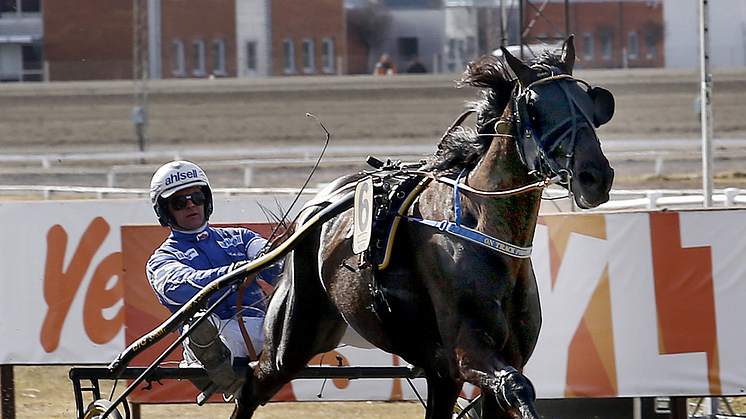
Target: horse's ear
<point>568,53</point>
<point>526,75</point>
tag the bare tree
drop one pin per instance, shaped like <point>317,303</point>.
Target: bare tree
<point>371,22</point>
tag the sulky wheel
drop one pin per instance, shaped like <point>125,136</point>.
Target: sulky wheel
<point>468,409</point>
<point>97,409</point>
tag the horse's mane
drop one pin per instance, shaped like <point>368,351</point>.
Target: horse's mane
<point>463,147</point>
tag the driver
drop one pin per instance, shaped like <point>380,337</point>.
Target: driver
<point>193,255</point>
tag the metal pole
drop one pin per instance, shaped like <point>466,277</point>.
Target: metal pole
<point>567,18</point>
<point>706,94</point>
<point>7,392</point>
<point>140,69</point>
<point>503,25</point>
<point>520,26</point>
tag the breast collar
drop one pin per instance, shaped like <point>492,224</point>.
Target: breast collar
<point>455,228</point>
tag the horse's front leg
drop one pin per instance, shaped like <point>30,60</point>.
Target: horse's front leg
<point>508,394</point>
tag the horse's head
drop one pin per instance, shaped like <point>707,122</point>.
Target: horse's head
<point>556,118</point>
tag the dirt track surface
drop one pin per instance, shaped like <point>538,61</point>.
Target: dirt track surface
<point>652,105</point>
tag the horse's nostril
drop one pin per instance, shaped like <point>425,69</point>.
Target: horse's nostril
<point>587,178</point>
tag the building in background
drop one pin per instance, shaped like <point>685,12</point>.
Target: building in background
<point>608,34</point>
<point>642,33</point>
<point>197,38</point>
<point>415,30</point>
<point>306,37</point>
<point>93,39</point>
<point>727,33</point>
<point>87,40</point>
<point>21,36</point>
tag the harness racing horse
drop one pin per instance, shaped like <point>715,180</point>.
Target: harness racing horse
<point>455,293</point>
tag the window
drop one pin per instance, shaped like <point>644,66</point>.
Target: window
<point>177,58</point>
<point>471,48</point>
<point>607,52</point>
<point>33,64</point>
<point>251,56</point>
<point>218,57</point>
<point>198,57</point>
<point>650,45</point>
<point>30,6</point>
<point>8,6</point>
<point>20,6</point>
<point>589,47</point>
<point>408,47</point>
<point>634,46</point>
<point>288,47</point>
<point>309,56</point>
<point>452,54</point>
<point>327,45</point>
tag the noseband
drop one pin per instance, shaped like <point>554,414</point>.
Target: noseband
<point>535,149</point>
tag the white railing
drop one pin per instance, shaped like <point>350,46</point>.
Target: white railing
<point>112,165</point>
<point>671,198</point>
<point>647,199</point>
<point>50,192</point>
<point>302,153</point>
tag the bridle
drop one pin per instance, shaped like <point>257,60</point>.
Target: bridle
<point>536,148</point>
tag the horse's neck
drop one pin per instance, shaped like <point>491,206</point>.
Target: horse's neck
<point>501,169</point>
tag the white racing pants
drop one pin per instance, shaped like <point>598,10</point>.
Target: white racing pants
<point>217,342</point>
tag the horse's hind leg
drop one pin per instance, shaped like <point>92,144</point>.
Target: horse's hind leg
<point>301,322</point>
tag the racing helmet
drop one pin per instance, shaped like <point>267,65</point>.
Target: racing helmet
<point>171,178</point>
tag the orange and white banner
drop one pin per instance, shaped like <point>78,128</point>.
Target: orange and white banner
<point>634,303</point>
<point>641,304</point>
<point>61,291</point>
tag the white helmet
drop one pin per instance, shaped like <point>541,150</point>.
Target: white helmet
<point>171,178</point>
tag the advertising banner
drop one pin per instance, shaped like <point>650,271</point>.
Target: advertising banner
<point>61,291</point>
<point>641,304</point>
<point>633,303</point>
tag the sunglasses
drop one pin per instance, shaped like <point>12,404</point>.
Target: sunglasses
<point>180,202</point>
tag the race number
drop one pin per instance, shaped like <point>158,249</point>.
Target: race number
<point>363,218</point>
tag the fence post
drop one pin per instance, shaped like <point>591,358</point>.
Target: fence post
<point>653,198</point>
<point>7,391</point>
<point>730,196</point>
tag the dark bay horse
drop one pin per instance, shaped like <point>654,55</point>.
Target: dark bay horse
<point>461,310</point>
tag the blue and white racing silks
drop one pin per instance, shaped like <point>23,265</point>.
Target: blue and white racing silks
<point>186,262</point>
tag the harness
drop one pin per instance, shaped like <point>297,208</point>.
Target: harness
<point>394,193</point>
<point>393,199</point>
<point>474,236</point>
